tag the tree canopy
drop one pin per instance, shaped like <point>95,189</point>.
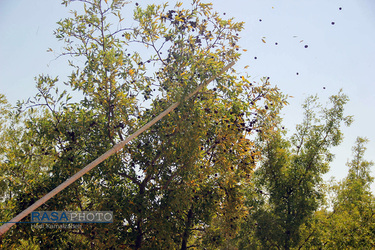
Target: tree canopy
<point>172,182</point>
<point>218,172</point>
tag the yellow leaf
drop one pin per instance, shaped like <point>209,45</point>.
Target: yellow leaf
<point>105,1</point>
<point>246,66</point>
<point>131,71</point>
<point>245,50</point>
<point>263,40</point>
<point>178,4</point>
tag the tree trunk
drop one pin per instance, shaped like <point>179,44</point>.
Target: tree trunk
<point>185,236</point>
<point>138,241</point>
<point>287,228</point>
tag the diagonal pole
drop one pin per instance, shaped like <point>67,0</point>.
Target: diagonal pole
<point>4,228</point>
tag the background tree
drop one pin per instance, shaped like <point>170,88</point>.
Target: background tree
<point>173,182</point>
<point>350,221</point>
<point>289,176</point>
<point>354,206</point>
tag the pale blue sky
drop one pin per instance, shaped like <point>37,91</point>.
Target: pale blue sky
<point>338,56</point>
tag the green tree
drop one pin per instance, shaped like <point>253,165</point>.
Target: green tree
<point>357,183</point>
<point>170,184</point>
<point>350,222</point>
<point>287,183</point>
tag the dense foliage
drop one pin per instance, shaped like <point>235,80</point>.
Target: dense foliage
<point>217,173</point>
<point>170,184</point>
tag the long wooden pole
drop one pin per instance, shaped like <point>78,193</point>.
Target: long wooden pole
<point>4,228</point>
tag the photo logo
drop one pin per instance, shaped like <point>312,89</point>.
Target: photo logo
<point>71,217</point>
